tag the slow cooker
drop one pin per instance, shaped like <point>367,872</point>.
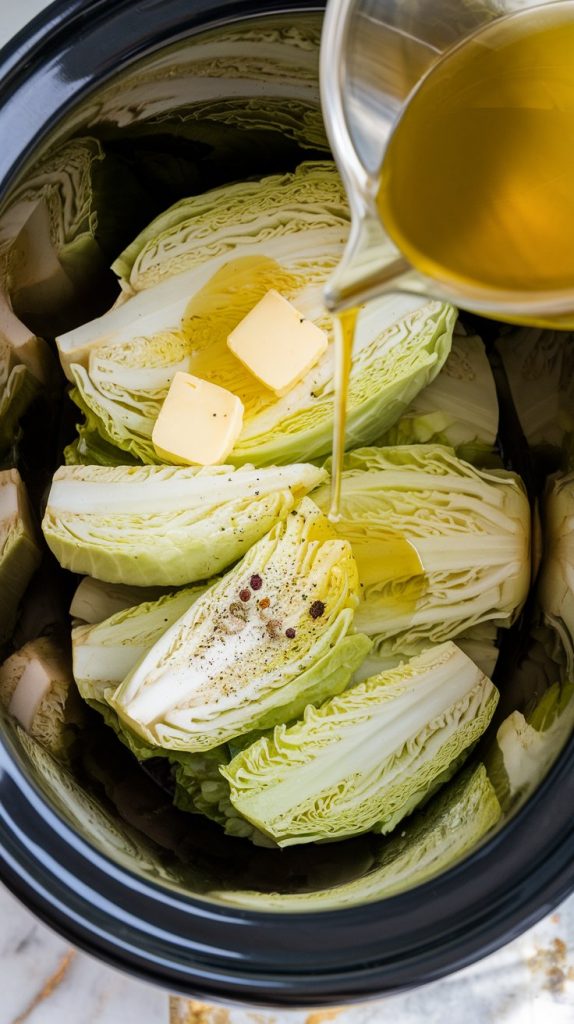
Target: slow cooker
<point>103,857</point>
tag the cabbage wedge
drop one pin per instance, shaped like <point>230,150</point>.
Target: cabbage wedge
<point>104,653</point>
<point>527,744</point>
<point>37,688</point>
<point>162,525</point>
<point>479,643</point>
<point>400,346</point>
<point>196,271</point>
<point>268,639</point>
<point>95,600</point>
<point>441,546</point>
<point>366,758</point>
<point>435,839</point>
<point>556,585</point>
<point>19,550</point>
<point>300,220</point>
<point>538,366</point>
<point>18,388</point>
<point>458,409</point>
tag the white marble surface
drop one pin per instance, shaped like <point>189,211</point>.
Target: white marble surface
<point>43,980</point>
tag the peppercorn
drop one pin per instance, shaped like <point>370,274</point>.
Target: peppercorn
<point>317,609</point>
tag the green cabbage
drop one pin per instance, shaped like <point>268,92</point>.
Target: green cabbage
<point>105,652</point>
<point>400,346</point>
<point>27,349</point>
<point>162,525</point>
<point>198,269</point>
<point>233,664</point>
<point>19,551</point>
<point>539,367</point>
<point>18,388</point>
<point>528,744</point>
<point>37,688</point>
<point>306,211</point>
<point>459,408</point>
<point>479,643</point>
<point>96,600</point>
<point>368,757</point>
<point>440,546</point>
<point>556,586</point>
<point>201,789</point>
<point>300,220</point>
<point>452,825</point>
<point>60,225</point>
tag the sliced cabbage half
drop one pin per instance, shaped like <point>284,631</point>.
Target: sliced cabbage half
<point>459,408</point>
<point>162,525</point>
<point>271,637</point>
<point>539,367</point>
<point>19,551</point>
<point>479,643</point>
<point>453,824</point>
<point>198,269</point>
<point>441,546</point>
<point>18,388</point>
<point>366,758</point>
<point>104,653</point>
<point>527,745</point>
<point>95,600</point>
<point>37,688</point>
<point>556,586</point>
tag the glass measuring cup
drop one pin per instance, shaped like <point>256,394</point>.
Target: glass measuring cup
<point>374,55</point>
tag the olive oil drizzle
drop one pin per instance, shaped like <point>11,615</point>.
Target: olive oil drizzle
<point>345,326</point>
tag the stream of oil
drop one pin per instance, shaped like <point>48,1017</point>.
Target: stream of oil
<point>389,560</point>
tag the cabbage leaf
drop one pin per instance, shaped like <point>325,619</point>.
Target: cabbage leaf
<point>556,585</point>
<point>434,840</point>
<point>19,550</point>
<point>197,270</point>
<point>18,388</point>
<point>165,525</point>
<point>527,745</point>
<point>441,546</point>
<point>266,640</point>
<point>479,643</point>
<point>458,409</point>
<point>368,757</point>
<point>105,652</point>
<point>37,688</point>
<point>96,600</point>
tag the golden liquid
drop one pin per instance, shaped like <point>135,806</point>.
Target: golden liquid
<point>345,324</point>
<point>477,184</point>
<point>387,560</point>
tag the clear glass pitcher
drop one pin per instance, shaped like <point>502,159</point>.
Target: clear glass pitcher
<point>374,53</point>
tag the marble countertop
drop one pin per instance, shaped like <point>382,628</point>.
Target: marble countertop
<point>43,980</point>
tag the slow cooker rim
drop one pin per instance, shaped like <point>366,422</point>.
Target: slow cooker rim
<point>22,846</point>
<point>271,986</point>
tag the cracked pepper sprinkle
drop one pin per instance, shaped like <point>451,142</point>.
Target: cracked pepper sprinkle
<point>273,627</point>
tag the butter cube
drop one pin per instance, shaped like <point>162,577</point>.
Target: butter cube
<point>198,422</point>
<point>277,344</point>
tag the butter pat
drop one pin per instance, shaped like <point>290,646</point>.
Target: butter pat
<point>277,344</point>
<point>198,422</point>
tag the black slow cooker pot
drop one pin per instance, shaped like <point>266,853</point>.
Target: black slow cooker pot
<point>103,857</point>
